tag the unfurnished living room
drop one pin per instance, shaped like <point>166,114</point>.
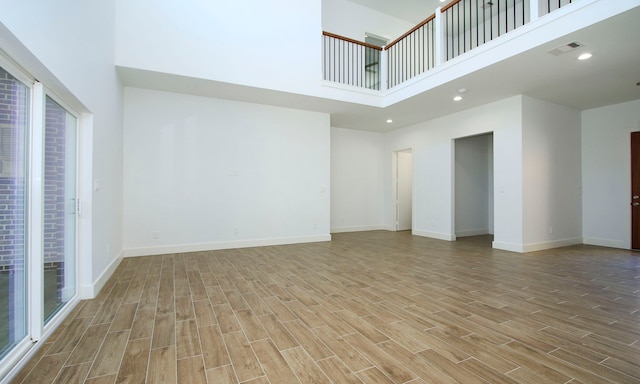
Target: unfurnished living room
<point>326,191</point>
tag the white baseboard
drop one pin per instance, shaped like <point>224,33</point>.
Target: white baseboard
<point>91,291</point>
<point>184,248</point>
<point>434,235</point>
<point>361,228</point>
<point>511,247</point>
<point>472,232</point>
<point>606,243</point>
<point>524,248</point>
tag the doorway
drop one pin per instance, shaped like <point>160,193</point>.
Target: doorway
<point>473,185</point>
<point>403,189</point>
<point>635,190</point>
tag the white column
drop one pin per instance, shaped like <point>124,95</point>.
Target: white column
<point>534,10</point>
<point>440,38</point>
<point>384,75</point>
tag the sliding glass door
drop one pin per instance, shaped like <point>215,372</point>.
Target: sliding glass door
<point>60,205</point>
<point>38,209</point>
<point>14,120</point>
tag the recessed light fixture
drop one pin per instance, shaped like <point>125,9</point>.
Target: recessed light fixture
<point>457,98</point>
<point>389,121</point>
<point>585,56</point>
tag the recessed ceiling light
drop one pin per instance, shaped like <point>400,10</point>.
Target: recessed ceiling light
<point>457,98</point>
<point>462,90</point>
<point>585,56</point>
<point>389,121</point>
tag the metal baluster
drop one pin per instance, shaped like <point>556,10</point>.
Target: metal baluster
<point>498,17</point>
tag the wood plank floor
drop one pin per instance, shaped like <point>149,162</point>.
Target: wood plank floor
<point>369,307</point>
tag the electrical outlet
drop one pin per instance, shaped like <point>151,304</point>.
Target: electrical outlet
<point>155,235</point>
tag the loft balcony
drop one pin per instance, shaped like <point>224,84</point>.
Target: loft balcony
<point>466,44</point>
<point>451,31</point>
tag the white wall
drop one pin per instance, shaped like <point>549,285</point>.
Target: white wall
<point>552,180</point>
<point>205,173</point>
<point>433,156</point>
<point>348,19</point>
<point>69,46</point>
<point>606,173</point>
<point>356,180</point>
<point>473,185</point>
<point>266,44</point>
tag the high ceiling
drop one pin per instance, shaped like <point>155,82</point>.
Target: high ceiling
<point>611,76</point>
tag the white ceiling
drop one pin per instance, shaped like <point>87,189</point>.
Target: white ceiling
<point>610,77</point>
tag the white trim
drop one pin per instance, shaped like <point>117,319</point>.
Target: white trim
<point>360,228</point>
<point>26,350</point>
<point>16,359</point>
<point>35,215</point>
<point>472,232</point>
<point>524,248</point>
<point>91,291</point>
<point>606,243</point>
<point>85,194</point>
<point>508,246</point>
<point>551,244</point>
<point>434,235</point>
<point>183,248</point>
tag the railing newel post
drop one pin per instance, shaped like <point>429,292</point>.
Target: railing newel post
<point>440,38</point>
<point>534,9</point>
<point>384,77</point>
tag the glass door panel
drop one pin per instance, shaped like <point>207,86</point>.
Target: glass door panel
<point>14,112</point>
<point>59,184</point>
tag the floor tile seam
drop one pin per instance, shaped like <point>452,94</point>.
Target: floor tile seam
<point>97,350</point>
<point>26,376</point>
<point>121,357</point>
<point>617,370</point>
<point>601,363</point>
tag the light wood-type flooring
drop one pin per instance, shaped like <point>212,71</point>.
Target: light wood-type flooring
<point>369,307</point>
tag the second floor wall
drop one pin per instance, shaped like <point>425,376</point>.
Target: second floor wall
<point>273,45</point>
<point>278,46</point>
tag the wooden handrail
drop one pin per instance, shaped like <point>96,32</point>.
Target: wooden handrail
<point>451,4</point>
<point>351,40</point>
<point>423,22</point>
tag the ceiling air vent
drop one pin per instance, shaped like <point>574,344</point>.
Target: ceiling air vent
<point>561,50</point>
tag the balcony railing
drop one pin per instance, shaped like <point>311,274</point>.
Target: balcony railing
<point>351,62</point>
<point>471,23</point>
<point>412,53</point>
<point>455,29</point>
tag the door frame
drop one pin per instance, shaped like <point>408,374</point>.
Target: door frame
<point>394,187</point>
<point>634,197</point>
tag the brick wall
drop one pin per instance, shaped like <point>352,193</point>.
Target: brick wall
<point>13,108</point>
<point>55,203</point>
<point>12,181</point>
